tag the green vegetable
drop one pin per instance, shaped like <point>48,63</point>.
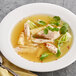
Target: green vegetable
<point>40,22</point>
<point>49,28</point>
<point>64,28</point>
<point>44,55</point>
<point>65,24</point>
<point>55,23</point>
<point>57,18</point>
<point>64,38</point>
<point>45,31</point>
<point>32,25</point>
<point>53,29</point>
<point>58,52</point>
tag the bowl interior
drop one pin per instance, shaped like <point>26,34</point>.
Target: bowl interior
<point>18,14</point>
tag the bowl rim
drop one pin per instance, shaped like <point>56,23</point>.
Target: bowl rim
<point>36,69</point>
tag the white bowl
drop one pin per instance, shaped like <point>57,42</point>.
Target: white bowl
<point>18,14</point>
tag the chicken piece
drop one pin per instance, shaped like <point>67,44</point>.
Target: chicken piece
<point>27,29</point>
<point>51,35</point>
<point>51,48</point>
<point>36,30</point>
<point>21,39</point>
<point>35,40</point>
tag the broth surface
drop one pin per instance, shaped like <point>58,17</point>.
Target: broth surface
<point>41,47</point>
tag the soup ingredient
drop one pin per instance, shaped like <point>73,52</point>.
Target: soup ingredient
<point>46,28</point>
<point>45,31</point>
<point>53,29</point>
<point>44,55</point>
<point>57,18</point>
<point>36,30</point>
<point>31,24</point>
<point>35,40</point>
<point>58,52</point>
<point>49,27</point>
<point>21,40</point>
<point>51,48</point>
<point>64,38</point>
<point>51,35</point>
<point>64,28</point>
<point>56,21</point>
<point>66,25</point>
<point>27,29</point>
<point>40,22</point>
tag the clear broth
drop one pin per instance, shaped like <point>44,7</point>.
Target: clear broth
<point>32,56</point>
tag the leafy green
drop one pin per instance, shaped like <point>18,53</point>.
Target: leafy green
<point>66,25</point>
<point>57,18</point>
<point>57,23</point>
<point>40,22</point>
<point>50,28</point>
<point>58,52</point>
<point>45,31</point>
<point>64,28</point>
<point>53,29</point>
<point>44,55</point>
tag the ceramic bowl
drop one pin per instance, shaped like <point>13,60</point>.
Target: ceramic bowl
<point>8,23</point>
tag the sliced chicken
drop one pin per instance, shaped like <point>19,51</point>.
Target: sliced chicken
<point>21,39</point>
<point>51,34</point>
<point>51,48</point>
<point>35,40</point>
<point>36,30</point>
<point>27,29</point>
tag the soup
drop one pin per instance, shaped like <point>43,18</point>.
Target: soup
<point>42,38</point>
